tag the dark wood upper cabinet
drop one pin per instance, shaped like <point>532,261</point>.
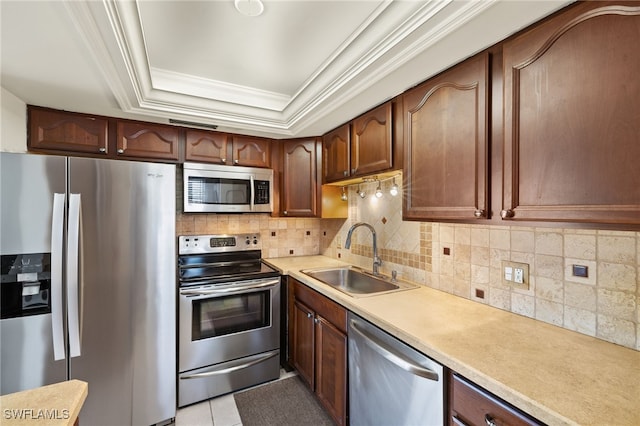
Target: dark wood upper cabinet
<point>299,177</point>
<point>446,146</point>
<point>572,117</point>
<point>146,140</point>
<point>66,131</point>
<point>251,151</point>
<point>336,163</point>
<point>361,147</point>
<point>371,141</point>
<point>207,147</point>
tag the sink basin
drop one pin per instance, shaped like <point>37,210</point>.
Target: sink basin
<point>357,282</point>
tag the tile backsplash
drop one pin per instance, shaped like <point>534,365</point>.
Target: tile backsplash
<point>605,304</point>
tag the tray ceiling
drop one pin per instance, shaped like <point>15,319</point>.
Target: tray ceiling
<point>301,68</point>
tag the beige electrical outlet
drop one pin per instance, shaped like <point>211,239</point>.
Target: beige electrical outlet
<point>515,274</point>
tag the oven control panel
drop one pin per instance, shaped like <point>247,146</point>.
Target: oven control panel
<point>194,244</point>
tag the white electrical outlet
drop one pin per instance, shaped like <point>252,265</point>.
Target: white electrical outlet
<point>515,275</point>
<point>518,276</point>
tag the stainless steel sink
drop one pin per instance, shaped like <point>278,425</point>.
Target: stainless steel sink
<point>356,282</point>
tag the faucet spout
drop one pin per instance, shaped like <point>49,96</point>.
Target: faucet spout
<point>376,260</point>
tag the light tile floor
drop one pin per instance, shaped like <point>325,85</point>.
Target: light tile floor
<point>220,411</point>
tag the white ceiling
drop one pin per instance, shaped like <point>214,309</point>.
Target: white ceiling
<point>301,68</point>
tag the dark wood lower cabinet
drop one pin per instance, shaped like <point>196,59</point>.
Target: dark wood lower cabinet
<point>318,339</point>
<point>470,405</point>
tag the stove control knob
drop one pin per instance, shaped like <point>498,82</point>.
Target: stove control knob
<point>255,241</point>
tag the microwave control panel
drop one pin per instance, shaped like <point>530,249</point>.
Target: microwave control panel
<point>261,192</point>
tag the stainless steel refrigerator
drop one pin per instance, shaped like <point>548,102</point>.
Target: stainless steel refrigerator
<point>88,282</point>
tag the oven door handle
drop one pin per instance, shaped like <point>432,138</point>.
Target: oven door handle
<point>227,370</point>
<point>229,290</point>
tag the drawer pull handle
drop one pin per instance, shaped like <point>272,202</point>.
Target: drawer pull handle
<point>457,422</point>
<point>489,420</point>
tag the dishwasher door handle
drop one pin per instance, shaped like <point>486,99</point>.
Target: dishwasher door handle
<point>378,346</point>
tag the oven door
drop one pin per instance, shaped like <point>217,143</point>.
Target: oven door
<point>228,321</point>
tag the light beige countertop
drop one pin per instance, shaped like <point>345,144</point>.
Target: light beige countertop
<point>556,375</point>
<point>57,404</point>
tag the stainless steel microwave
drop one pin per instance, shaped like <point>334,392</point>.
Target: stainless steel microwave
<point>211,188</point>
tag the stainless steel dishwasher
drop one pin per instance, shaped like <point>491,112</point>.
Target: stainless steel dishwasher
<point>390,383</point>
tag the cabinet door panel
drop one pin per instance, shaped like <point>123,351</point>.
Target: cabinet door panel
<point>300,190</point>
<point>303,353</point>
<point>207,147</point>
<point>144,140</point>
<point>59,130</point>
<point>250,151</point>
<point>446,145</point>
<point>572,118</point>
<point>371,141</point>
<point>335,154</point>
<point>331,377</point>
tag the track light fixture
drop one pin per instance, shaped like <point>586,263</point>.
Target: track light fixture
<point>360,192</point>
<point>394,188</point>
<point>378,190</point>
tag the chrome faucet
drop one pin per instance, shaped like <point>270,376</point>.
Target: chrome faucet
<point>376,260</point>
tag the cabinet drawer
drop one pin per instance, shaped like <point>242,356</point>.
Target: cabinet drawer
<point>473,406</point>
<point>323,306</point>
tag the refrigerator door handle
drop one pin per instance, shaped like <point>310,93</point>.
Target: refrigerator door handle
<point>57,251</point>
<point>74,238</point>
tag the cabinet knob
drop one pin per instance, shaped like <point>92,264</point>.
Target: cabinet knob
<point>353,171</point>
<point>236,161</point>
<point>120,151</point>
<point>285,212</point>
<point>345,173</point>
<point>103,150</point>
<point>308,314</point>
<point>506,214</point>
<point>489,420</point>
<point>479,213</point>
<point>224,160</point>
<point>316,320</point>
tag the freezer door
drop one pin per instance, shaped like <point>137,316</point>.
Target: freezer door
<point>27,187</point>
<point>126,290</point>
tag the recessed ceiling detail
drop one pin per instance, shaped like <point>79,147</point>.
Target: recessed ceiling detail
<point>299,69</point>
<point>383,36</point>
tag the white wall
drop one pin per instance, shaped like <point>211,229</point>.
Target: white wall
<point>13,123</point>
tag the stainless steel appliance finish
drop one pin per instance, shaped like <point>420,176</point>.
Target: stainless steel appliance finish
<point>229,316</point>
<point>213,188</point>
<point>390,382</point>
<point>108,226</point>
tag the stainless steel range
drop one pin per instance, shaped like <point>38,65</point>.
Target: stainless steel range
<point>229,316</point>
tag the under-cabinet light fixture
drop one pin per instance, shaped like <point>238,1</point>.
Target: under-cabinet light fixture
<point>394,188</point>
<point>343,196</point>
<point>360,192</point>
<point>379,191</point>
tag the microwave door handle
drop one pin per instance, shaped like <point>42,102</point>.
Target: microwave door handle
<point>253,192</point>
<point>57,250</point>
